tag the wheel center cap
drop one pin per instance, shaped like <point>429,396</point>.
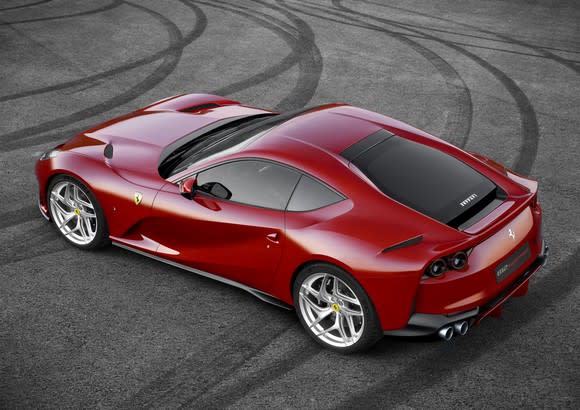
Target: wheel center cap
<point>335,307</point>
<point>77,211</point>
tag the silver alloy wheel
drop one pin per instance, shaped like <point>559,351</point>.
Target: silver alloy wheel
<point>331,310</point>
<point>73,212</point>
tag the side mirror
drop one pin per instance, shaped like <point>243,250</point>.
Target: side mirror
<point>218,190</point>
<point>187,187</point>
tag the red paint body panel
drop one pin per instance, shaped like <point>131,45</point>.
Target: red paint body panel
<point>264,248</point>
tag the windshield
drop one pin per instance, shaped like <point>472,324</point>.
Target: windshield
<point>209,142</point>
<point>230,137</point>
<point>423,178</point>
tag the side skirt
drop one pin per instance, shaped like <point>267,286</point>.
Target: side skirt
<point>257,293</point>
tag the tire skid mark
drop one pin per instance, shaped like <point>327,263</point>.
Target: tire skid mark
<point>110,6</point>
<point>201,23</point>
<point>543,50</point>
<point>458,123</point>
<point>282,66</point>
<point>170,60</point>
<point>30,243</point>
<point>305,53</point>
<point>530,128</point>
<point>206,366</point>
<point>25,5</point>
<point>242,384</point>
<point>445,361</point>
<point>309,67</point>
<point>18,216</point>
<point>457,33</point>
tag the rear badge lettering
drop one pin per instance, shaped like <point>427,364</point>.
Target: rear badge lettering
<point>512,262</point>
<point>468,199</point>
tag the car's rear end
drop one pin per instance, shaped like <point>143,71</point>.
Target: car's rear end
<point>494,214</point>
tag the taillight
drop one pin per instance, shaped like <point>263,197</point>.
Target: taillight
<point>456,261</point>
<point>437,268</point>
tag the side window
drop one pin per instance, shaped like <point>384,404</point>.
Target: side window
<point>311,194</point>
<point>257,183</point>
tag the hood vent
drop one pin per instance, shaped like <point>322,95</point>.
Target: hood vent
<point>199,107</point>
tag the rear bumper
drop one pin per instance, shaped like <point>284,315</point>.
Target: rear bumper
<point>421,324</point>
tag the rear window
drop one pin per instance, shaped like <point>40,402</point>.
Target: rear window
<point>423,178</point>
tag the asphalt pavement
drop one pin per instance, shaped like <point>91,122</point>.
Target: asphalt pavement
<point>115,330</point>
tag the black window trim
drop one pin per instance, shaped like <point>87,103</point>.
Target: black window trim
<point>299,171</point>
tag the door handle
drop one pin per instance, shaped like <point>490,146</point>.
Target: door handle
<point>273,237</point>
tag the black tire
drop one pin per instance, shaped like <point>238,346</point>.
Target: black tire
<point>101,238</point>
<point>371,332</point>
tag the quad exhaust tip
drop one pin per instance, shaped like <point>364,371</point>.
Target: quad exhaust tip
<point>446,333</point>
<point>461,327</point>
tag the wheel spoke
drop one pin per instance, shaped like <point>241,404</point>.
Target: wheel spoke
<point>348,299</point>
<point>335,286</point>
<point>79,200</point>
<point>351,325</point>
<point>310,290</point>
<point>81,227</point>
<point>60,208</point>
<point>341,329</point>
<point>330,329</point>
<point>85,214</point>
<point>88,226</point>
<point>323,293</point>
<point>66,221</point>
<point>67,195</point>
<point>321,316</point>
<point>310,303</point>
<point>350,311</point>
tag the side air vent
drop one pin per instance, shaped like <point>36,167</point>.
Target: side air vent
<point>404,244</point>
<point>108,152</point>
<point>199,107</point>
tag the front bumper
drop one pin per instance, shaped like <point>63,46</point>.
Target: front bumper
<point>43,210</point>
<point>421,324</point>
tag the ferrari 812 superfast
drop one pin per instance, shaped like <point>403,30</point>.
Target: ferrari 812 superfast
<point>363,224</point>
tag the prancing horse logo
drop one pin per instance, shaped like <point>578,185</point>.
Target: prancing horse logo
<point>512,234</point>
<point>138,198</point>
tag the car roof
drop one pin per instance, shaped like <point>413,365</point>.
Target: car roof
<point>331,127</point>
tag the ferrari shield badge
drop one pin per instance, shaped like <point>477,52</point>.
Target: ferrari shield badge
<point>138,198</point>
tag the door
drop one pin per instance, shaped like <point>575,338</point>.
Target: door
<point>238,235</point>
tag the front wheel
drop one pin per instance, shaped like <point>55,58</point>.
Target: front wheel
<point>76,213</point>
<point>335,310</point>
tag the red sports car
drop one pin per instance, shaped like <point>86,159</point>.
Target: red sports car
<point>366,225</point>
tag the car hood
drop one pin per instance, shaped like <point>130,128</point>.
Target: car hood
<point>138,139</point>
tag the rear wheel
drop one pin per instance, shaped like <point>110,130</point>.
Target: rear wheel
<point>76,213</point>
<point>335,310</point>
